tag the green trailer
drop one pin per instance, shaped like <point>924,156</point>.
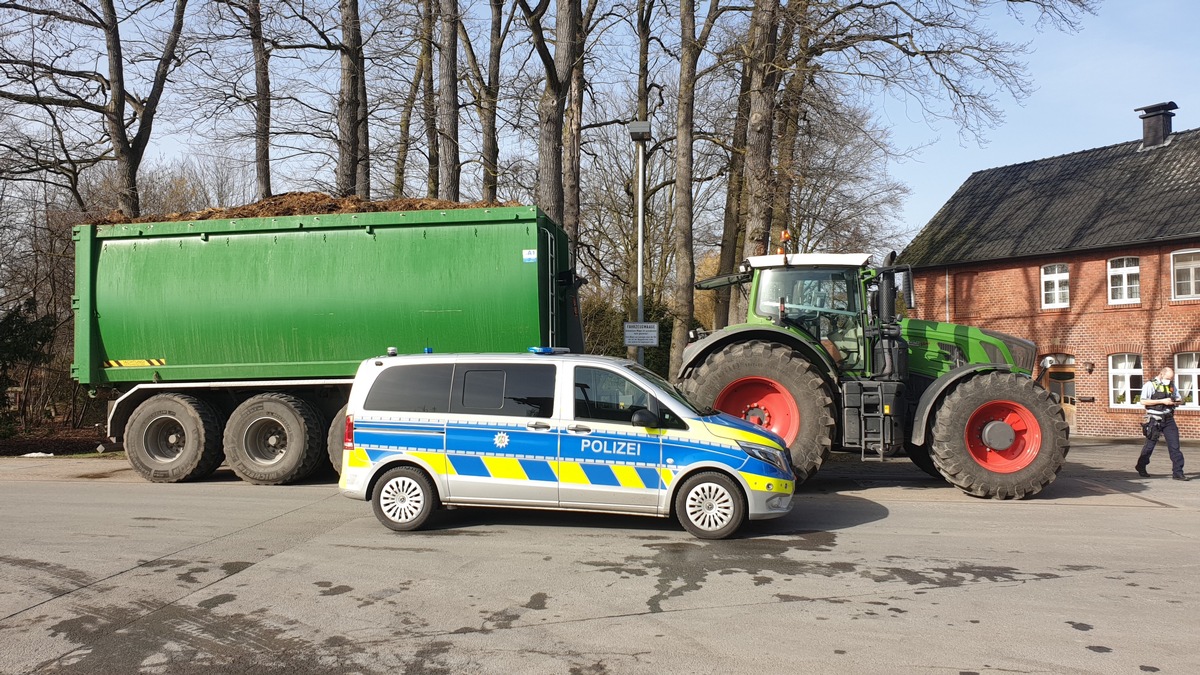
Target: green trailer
<point>236,340</point>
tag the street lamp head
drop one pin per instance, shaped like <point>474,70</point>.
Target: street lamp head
<point>639,130</point>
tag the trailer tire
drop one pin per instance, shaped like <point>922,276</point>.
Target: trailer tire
<point>272,439</point>
<point>999,436</point>
<point>776,385</point>
<point>710,505</point>
<point>336,438</point>
<point>172,438</point>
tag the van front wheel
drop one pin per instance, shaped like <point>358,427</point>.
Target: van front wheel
<point>710,506</point>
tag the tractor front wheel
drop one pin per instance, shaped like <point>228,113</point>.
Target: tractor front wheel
<point>1000,436</point>
<point>774,387</point>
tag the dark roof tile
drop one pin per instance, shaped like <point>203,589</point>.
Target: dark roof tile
<point>1100,198</point>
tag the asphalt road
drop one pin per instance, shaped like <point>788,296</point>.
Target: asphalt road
<point>878,569</point>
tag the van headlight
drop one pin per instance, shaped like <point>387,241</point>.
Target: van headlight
<point>773,456</point>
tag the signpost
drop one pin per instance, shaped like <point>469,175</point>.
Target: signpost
<point>641,334</point>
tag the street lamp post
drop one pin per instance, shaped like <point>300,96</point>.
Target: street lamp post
<point>639,131</point>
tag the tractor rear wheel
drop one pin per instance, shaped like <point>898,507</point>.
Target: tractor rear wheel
<point>919,455</point>
<point>999,436</point>
<point>775,387</point>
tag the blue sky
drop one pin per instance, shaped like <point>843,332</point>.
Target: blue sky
<point>1086,85</point>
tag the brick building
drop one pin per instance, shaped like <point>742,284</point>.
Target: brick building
<point>1095,256</point>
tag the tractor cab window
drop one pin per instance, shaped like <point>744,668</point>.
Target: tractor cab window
<point>822,302</point>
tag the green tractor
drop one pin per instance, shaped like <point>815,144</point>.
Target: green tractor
<point>825,362</point>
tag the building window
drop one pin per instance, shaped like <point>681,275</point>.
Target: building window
<point>1123,281</point>
<point>1185,270</point>
<point>1055,288</point>
<point>1187,378</point>
<point>1125,380</point>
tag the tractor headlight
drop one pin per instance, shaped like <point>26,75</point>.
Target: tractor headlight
<point>773,456</point>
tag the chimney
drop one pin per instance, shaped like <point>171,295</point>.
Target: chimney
<point>1156,123</point>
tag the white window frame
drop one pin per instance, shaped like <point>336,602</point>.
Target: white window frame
<point>1187,380</point>
<point>1130,292</point>
<point>1193,266</point>
<point>1061,280</point>
<point>1123,369</point>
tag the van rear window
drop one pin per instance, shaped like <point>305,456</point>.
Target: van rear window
<point>412,388</point>
<point>511,390</point>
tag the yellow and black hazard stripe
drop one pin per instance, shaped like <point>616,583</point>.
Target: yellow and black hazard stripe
<point>135,363</point>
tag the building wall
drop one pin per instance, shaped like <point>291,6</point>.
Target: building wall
<point>1006,296</point>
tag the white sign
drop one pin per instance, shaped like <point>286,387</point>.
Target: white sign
<point>641,334</point>
<point>529,255</point>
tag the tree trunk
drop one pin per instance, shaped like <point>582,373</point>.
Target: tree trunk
<point>262,100</point>
<point>491,94</point>
<point>732,229</point>
<point>404,142</point>
<point>572,157</point>
<point>428,106</point>
<point>362,180</point>
<point>448,157</point>
<point>759,131</point>
<point>348,101</point>
<point>685,266</point>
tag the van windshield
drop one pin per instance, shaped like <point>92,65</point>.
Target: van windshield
<point>667,387</point>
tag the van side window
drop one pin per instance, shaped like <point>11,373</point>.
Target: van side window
<point>412,388</point>
<point>511,390</point>
<point>605,396</point>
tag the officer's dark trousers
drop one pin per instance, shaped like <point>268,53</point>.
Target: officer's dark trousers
<point>1171,433</point>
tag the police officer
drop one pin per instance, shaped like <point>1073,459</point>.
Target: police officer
<point>1160,398</point>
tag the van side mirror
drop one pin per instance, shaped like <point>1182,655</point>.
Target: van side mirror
<point>645,418</point>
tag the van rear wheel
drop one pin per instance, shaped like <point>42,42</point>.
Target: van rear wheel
<point>403,499</point>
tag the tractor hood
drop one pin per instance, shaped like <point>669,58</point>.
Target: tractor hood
<point>737,429</point>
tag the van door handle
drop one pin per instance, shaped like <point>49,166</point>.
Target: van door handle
<point>579,428</point>
<point>537,425</point>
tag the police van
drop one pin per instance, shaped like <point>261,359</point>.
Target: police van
<point>552,431</point>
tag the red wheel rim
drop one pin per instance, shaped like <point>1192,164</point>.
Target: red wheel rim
<point>1026,435</point>
<point>762,401</point>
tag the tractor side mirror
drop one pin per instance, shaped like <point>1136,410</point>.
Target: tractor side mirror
<point>909,301</point>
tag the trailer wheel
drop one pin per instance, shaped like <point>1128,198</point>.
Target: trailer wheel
<point>336,437</point>
<point>1000,436</point>
<point>710,505</point>
<point>404,498</point>
<point>775,387</point>
<point>172,438</point>
<point>272,439</point>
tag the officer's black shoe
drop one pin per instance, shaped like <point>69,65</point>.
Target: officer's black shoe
<point>1142,471</point>
<point>1179,476</point>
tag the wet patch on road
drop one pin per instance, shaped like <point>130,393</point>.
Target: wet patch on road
<point>46,577</point>
<point>217,600</point>
<point>330,589</point>
<point>536,601</point>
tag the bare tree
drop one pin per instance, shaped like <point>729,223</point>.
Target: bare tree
<point>691,45</point>
<point>449,164</point>
<point>49,54</point>
<point>551,105</point>
<point>485,88</point>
